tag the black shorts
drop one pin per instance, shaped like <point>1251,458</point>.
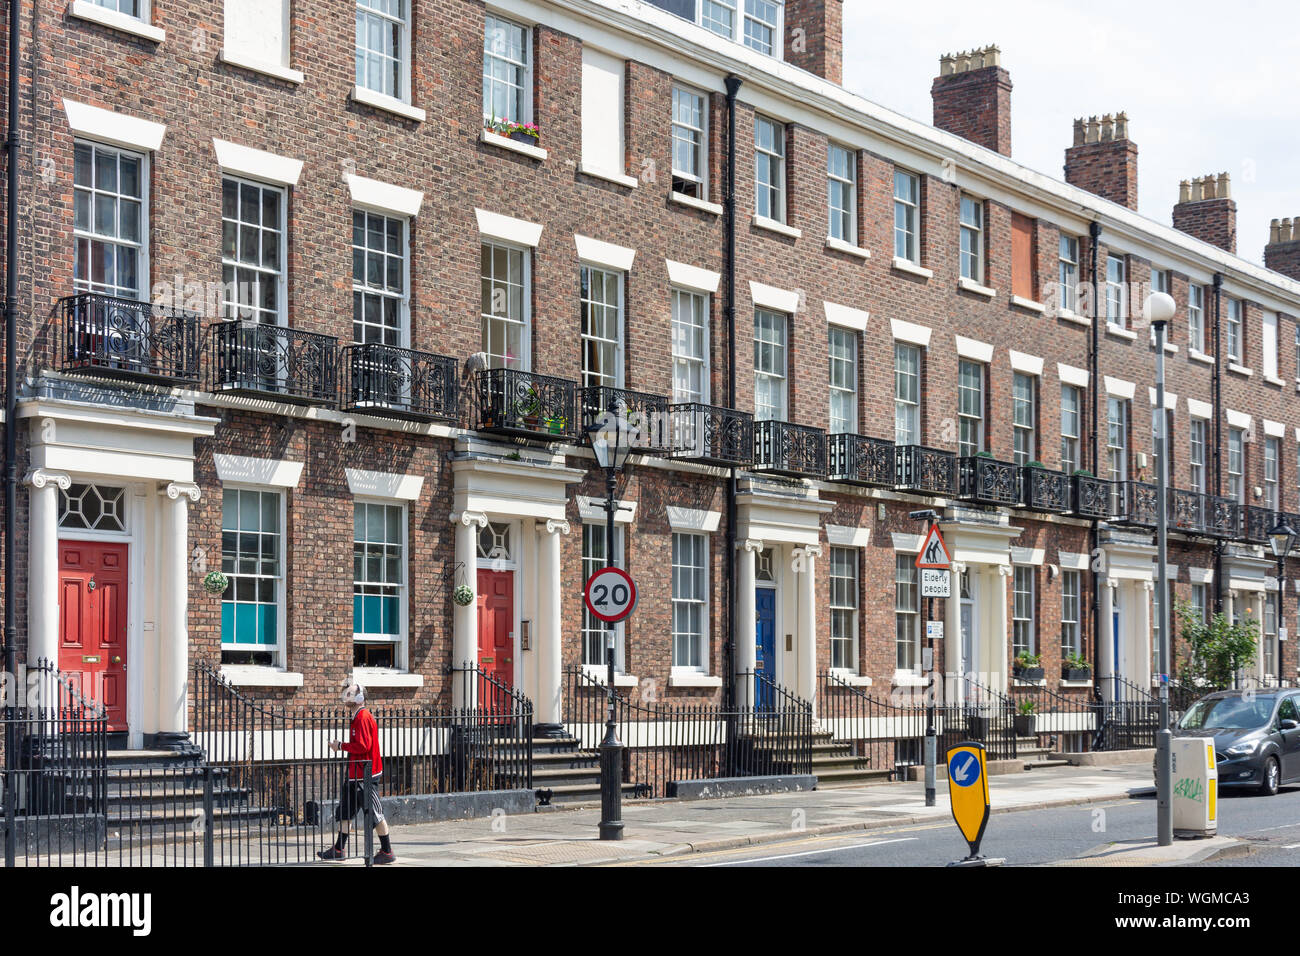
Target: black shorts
<point>353,798</point>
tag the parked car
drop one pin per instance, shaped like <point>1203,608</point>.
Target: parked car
<point>1256,736</point>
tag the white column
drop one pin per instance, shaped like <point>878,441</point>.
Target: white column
<point>549,640</point>
<point>954,686</point>
<point>1106,636</point>
<point>464,639</point>
<point>1139,654</point>
<point>746,655</point>
<point>804,565</point>
<point>997,653</point>
<point>43,564</point>
<point>174,641</point>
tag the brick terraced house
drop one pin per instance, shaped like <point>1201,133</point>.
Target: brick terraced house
<point>383,311</point>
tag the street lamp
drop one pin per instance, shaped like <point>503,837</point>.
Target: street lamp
<point>610,440</point>
<point>1159,309</point>
<point>931,733</point>
<point>1281,539</point>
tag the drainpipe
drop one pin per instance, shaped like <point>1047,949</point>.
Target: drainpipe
<point>1094,382</point>
<point>1216,379</point>
<point>10,423</point>
<point>733,87</point>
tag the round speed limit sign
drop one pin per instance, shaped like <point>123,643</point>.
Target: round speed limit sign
<point>610,594</point>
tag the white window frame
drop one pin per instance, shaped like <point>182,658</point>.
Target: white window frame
<point>773,161</point>
<point>89,234</point>
<point>694,183</point>
<point>1117,291</point>
<point>702,602</point>
<point>971,220</point>
<point>587,308</point>
<point>965,447</point>
<point>740,14</point>
<point>1071,632</point>
<point>844,611</point>
<point>401,661</point>
<point>279,654</point>
<point>525,323</point>
<point>1067,257</point>
<point>842,213</point>
<point>1233,327</point>
<point>689,299</point>
<point>1272,473</point>
<point>1023,621</point>
<point>364,8</point>
<point>115,6</point>
<point>1196,318</point>
<point>495,52</point>
<point>909,208</point>
<point>1196,454</point>
<point>1070,438</point>
<point>1268,340</point>
<point>1117,453</point>
<point>231,310</point>
<point>1237,476</point>
<point>781,346</point>
<point>1024,432</point>
<point>363,288</point>
<point>903,561</point>
<point>849,394</point>
<point>905,407</point>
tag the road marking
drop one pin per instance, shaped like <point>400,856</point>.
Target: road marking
<point>788,856</point>
<point>1292,846</point>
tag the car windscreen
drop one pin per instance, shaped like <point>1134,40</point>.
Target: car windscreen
<point>1228,713</point>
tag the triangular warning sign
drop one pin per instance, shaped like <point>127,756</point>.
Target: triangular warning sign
<point>934,553</point>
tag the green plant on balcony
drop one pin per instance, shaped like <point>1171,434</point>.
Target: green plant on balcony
<point>1036,464</point>
<point>1082,473</point>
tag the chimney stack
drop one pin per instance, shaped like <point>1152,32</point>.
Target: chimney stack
<point>1207,211</point>
<point>1282,254</point>
<point>814,31</point>
<point>972,98</point>
<point>1103,160</point>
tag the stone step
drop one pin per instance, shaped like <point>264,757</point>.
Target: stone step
<point>830,779</point>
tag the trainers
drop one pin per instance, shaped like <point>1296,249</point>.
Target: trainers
<point>384,856</point>
<point>333,853</point>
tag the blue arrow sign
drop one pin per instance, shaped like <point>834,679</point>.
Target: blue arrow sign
<point>964,769</point>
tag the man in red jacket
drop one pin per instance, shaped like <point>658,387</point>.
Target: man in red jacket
<point>362,745</point>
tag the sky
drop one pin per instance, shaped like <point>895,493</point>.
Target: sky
<point>1208,88</point>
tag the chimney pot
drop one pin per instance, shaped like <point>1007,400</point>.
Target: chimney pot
<point>1184,191</point>
<point>1224,190</point>
<point>1078,132</point>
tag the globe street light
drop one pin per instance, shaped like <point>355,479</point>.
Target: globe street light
<point>1281,539</point>
<point>1159,309</point>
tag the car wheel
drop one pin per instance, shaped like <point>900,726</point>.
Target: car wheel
<point>1272,776</point>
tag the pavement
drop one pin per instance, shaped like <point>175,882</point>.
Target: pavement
<point>655,829</point>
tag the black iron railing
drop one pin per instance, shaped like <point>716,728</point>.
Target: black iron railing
<point>1091,496</point>
<point>390,381</point>
<point>784,448</point>
<point>712,435</point>
<point>1256,523</point>
<point>526,405</point>
<point>1070,718</point>
<point>1186,511</point>
<point>1042,489</point>
<point>1129,717</point>
<point>1222,517</point>
<point>124,338</point>
<point>987,481</point>
<point>644,414</point>
<point>274,360</point>
<point>859,460</point>
<point>928,470</point>
<point>1136,503</point>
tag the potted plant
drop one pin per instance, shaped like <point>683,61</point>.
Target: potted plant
<point>214,582</point>
<point>1025,719</point>
<point>1082,473</point>
<point>1026,667</point>
<point>555,424</point>
<point>1035,464</point>
<point>978,725</point>
<point>528,406</point>
<point>984,454</point>
<point>519,132</point>
<point>463,595</point>
<point>1076,668</point>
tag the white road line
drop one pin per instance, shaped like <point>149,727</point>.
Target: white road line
<point>1292,846</point>
<point>787,856</point>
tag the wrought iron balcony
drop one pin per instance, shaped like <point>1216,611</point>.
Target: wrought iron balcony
<point>124,338</point>
<point>927,470</point>
<point>1091,496</point>
<point>395,382</point>
<point>1042,489</point>
<point>859,460</point>
<point>1136,503</point>
<point>1186,511</point>
<point>987,481</point>
<point>526,405</point>
<point>275,361</point>
<point>644,413</point>
<point>783,448</point>
<point>1222,517</point>
<point>712,435</point>
<point>1256,523</point>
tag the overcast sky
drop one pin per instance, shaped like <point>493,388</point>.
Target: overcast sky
<point>1208,87</point>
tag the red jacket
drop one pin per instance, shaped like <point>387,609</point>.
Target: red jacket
<point>363,745</point>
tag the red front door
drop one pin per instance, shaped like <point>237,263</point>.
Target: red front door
<point>496,625</point>
<point>92,623</point>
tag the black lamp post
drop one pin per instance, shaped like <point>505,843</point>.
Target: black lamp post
<point>1281,538</point>
<point>610,440</point>
<point>931,733</point>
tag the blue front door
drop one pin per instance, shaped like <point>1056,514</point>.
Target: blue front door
<point>765,638</point>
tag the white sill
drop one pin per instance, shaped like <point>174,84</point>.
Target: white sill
<point>908,679</point>
<point>599,675</point>
<point>762,222</point>
<point>117,21</point>
<point>970,285</point>
<point>1030,304</point>
<point>256,66</point>
<point>1069,316</point>
<point>839,245</point>
<point>608,176</point>
<point>383,677</point>
<point>1240,370</point>
<point>1076,683</point>
<point>703,205</point>
<point>1274,380</point>
<point>694,680</point>
<point>1019,682</point>
<point>1198,356</point>
<point>257,675</point>
<point>1120,332</point>
<point>387,103</point>
<point>850,678</point>
<point>505,142</point>
<point>907,265</point>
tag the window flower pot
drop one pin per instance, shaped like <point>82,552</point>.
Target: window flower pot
<point>1028,673</point>
<point>519,136</point>
<point>1076,673</point>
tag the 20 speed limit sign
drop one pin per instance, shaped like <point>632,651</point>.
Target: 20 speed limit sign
<point>610,594</point>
